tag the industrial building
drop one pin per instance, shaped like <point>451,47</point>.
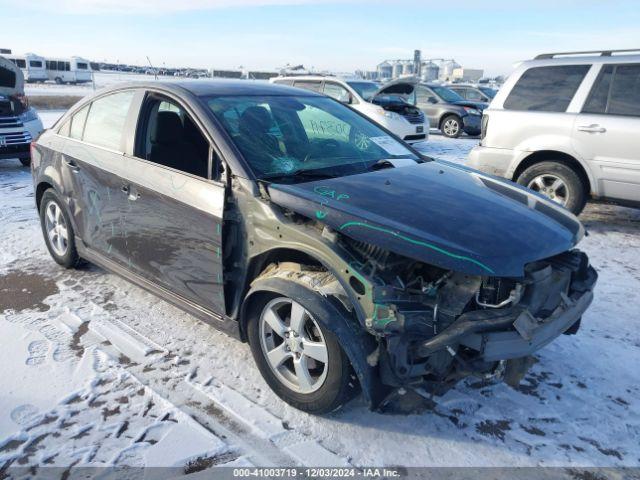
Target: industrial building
<point>429,70</point>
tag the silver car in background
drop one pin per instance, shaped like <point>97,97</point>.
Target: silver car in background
<point>566,125</point>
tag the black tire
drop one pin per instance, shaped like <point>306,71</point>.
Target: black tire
<point>58,81</point>
<point>340,383</point>
<point>70,258</point>
<point>576,190</point>
<point>25,161</point>
<point>454,132</point>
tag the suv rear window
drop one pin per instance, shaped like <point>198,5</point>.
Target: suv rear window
<point>546,89</point>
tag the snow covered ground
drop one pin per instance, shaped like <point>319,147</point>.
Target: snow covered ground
<point>96,371</point>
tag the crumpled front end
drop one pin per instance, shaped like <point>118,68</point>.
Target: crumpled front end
<point>437,326</point>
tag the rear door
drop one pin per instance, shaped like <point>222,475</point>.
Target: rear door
<point>606,131</point>
<point>91,159</point>
<point>173,212</point>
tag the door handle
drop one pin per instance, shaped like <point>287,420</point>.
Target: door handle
<point>593,128</point>
<point>73,166</point>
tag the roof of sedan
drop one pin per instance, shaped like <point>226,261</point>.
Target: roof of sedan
<point>214,87</point>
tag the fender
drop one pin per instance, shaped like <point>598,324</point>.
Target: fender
<point>354,340</point>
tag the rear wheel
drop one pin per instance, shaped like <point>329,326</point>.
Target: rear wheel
<point>57,229</point>
<point>299,358</point>
<point>558,182</point>
<point>451,126</point>
<point>58,80</point>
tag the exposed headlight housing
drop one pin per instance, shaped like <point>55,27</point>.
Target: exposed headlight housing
<point>388,114</point>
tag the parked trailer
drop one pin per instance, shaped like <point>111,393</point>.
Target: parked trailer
<point>33,66</point>
<point>69,70</point>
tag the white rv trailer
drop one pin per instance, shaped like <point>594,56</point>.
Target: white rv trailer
<point>68,70</point>
<point>33,66</point>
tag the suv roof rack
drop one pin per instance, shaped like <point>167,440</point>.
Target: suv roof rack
<point>603,53</point>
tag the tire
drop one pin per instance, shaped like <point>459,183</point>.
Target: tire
<point>58,81</point>
<point>53,211</point>
<point>558,182</point>
<point>335,382</point>
<point>451,126</point>
<point>26,162</point>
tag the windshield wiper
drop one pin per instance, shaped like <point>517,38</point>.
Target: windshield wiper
<point>300,173</point>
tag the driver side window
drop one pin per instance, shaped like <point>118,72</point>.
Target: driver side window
<point>423,95</point>
<point>168,136</point>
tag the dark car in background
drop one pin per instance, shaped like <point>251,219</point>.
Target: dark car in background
<point>474,93</point>
<point>346,259</point>
<point>445,109</point>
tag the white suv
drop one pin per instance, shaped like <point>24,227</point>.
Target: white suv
<point>568,126</point>
<point>19,124</point>
<point>391,111</point>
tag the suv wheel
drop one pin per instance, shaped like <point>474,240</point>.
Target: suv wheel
<point>57,230</point>
<point>451,126</point>
<point>299,358</point>
<point>557,181</point>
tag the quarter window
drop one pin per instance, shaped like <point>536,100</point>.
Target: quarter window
<point>546,89</point>
<point>77,123</point>
<point>105,122</point>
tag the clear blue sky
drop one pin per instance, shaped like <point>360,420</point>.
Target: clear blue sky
<point>342,36</point>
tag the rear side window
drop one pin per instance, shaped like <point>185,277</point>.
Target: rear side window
<point>625,91</point>
<point>106,120</point>
<point>546,89</point>
<point>336,91</point>
<point>616,91</point>
<point>308,85</point>
<point>599,96</point>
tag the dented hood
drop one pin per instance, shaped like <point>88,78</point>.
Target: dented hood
<point>439,213</point>
<point>11,78</point>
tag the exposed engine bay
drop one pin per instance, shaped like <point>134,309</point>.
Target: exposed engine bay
<point>437,326</point>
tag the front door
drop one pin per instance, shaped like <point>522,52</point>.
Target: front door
<point>174,210</point>
<point>605,133</point>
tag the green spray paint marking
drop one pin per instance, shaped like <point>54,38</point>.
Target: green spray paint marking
<point>381,322</point>
<point>320,214</point>
<point>416,242</point>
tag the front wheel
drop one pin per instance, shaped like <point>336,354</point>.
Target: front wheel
<point>299,358</point>
<point>451,126</point>
<point>558,182</point>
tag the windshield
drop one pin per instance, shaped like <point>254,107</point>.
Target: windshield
<point>365,89</point>
<point>489,92</point>
<point>446,94</point>
<point>286,137</point>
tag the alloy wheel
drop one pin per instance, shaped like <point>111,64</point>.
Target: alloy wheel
<point>451,127</point>
<point>293,345</point>
<point>551,186</point>
<point>56,228</point>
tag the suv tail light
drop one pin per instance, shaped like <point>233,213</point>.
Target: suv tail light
<point>483,126</point>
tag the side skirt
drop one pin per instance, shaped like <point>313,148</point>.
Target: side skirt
<point>219,322</point>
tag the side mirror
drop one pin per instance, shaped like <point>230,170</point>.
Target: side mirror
<point>433,100</point>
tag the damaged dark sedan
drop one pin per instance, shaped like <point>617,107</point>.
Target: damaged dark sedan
<point>347,260</point>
